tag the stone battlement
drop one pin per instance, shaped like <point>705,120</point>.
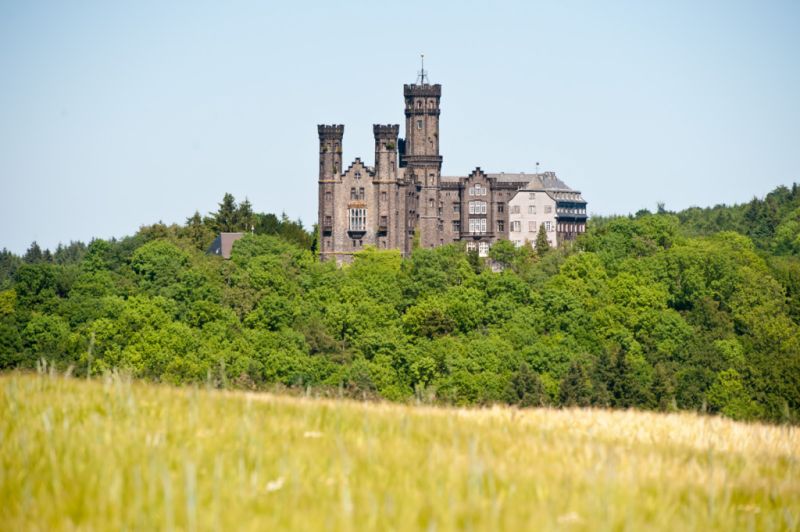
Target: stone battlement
<point>333,131</point>
<point>422,90</point>
<point>388,131</point>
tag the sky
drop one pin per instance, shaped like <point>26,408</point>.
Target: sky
<point>115,115</point>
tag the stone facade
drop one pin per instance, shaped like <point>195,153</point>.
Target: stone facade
<point>405,197</point>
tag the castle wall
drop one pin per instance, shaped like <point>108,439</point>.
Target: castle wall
<point>405,193</point>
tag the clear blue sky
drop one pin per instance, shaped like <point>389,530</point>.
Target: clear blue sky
<point>118,114</point>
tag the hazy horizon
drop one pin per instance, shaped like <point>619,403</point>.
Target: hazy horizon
<point>113,117</point>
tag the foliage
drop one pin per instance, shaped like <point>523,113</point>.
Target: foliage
<point>696,310</point>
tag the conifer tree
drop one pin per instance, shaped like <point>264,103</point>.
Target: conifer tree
<point>575,389</point>
<point>224,220</point>
<point>528,388</point>
<point>245,218</point>
<point>542,244</point>
<point>34,254</point>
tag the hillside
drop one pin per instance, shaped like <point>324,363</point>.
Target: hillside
<point>114,455</point>
<point>664,311</point>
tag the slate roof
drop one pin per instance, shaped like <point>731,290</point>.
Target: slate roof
<point>223,244</point>
<point>541,182</point>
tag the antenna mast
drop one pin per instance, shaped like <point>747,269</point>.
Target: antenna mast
<point>422,77</point>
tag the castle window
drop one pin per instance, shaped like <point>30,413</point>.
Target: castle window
<point>456,207</point>
<point>384,221</point>
<point>477,207</point>
<point>471,191</point>
<point>358,175</point>
<point>472,246</point>
<point>456,226</point>
<point>327,220</point>
<point>431,203</point>
<point>501,226</point>
<point>358,219</point>
<point>501,207</point>
<point>515,209</point>
<point>548,226</point>
<point>531,209</point>
<point>327,196</point>
<point>353,194</point>
<point>532,226</point>
<point>477,225</point>
<point>478,191</point>
<point>531,195</point>
<point>548,209</point>
<point>419,124</point>
<point>361,193</point>
<point>516,226</point>
<point>383,196</point>
<point>483,249</point>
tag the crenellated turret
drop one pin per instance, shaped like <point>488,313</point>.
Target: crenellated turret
<point>330,150</point>
<point>385,151</point>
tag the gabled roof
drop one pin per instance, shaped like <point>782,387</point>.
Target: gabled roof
<point>358,162</point>
<point>223,244</point>
<point>540,181</point>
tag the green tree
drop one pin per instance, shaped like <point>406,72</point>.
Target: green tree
<point>575,389</point>
<point>527,388</point>
<point>225,220</point>
<point>34,254</point>
<point>729,396</point>
<point>542,243</point>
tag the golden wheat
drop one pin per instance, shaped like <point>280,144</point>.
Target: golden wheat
<point>119,455</point>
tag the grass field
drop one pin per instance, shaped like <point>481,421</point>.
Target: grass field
<point>109,455</point>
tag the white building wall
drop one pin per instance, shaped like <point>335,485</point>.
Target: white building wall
<point>527,211</point>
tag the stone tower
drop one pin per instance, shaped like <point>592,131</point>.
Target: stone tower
<point>330,167</point>
<point>389,192</point>
<point>422,162</point>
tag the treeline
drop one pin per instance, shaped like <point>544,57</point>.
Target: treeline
<point>657,311</point>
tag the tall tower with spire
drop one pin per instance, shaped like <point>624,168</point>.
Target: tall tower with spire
<point>421,159</point>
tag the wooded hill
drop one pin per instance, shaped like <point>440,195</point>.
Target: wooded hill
<point>696,310</point>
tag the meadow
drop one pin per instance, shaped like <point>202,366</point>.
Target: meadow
<point>118,454</point>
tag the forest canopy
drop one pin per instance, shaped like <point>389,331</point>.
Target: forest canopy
<point>698,309</point>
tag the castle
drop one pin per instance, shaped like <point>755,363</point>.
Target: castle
<point>404,200</point>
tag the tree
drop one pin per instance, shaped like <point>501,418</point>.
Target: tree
<point>729,396</point>
<point>527,388</point>
<point>226,217</point>
<point>663,388</point>
<point>34,254</point>
<point>245,217</point>
<point>198,232</point>
<point>542,243</point>
<point>503,252</point>
<point>575,389</point>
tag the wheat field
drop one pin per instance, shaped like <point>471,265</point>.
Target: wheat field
<point>114,454</point>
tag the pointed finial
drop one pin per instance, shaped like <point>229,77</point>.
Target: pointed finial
<point>422,77</point>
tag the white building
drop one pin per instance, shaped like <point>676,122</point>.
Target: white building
<point>548,201</point>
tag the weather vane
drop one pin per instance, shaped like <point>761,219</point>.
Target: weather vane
<point>422,78</point>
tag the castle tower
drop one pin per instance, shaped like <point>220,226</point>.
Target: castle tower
<point>390,232</point>
<point>330,167</point>
<point>421,158</point>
